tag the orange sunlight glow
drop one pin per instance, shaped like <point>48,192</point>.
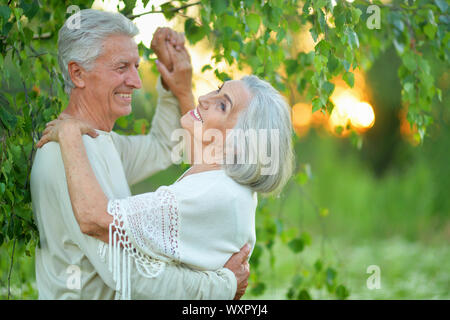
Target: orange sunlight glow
<point>301,117</point>
<point>350,111</point>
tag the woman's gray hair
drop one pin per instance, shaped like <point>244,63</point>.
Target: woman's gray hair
<point>267,113</point>
<point>83,43</point>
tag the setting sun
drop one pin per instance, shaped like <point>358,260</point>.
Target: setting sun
<point>350,110</point>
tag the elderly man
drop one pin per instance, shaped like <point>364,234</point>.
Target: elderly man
<point>99,62</point>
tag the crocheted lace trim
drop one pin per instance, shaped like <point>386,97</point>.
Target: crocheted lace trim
<point>152,221</point>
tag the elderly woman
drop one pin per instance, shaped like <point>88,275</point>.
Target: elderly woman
<point>208,213</point>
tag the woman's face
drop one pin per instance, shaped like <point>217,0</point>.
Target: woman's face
<point>218,109</point>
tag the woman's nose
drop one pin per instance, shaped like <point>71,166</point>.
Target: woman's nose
<point>203,102</point>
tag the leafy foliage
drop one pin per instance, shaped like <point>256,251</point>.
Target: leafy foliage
<point>254,34</point>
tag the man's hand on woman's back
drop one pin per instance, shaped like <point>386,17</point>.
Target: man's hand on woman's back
<point>239,265</point>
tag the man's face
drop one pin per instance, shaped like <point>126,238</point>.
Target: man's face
<point>113,78</point>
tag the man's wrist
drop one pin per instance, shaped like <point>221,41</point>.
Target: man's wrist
<point>186,101</point>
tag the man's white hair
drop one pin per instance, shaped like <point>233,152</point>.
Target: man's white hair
<point>269,111</point>
<point>83,43</point>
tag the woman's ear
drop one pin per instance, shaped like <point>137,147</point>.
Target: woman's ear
<point>77,74</point>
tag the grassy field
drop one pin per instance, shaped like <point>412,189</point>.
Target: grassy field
<point>396,222</point>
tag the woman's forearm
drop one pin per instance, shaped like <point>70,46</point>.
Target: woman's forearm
<point>89,202</point>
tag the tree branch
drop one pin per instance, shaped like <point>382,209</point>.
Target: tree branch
<point>43,36</point>
<point>12,263</point>
<point>131,17</point>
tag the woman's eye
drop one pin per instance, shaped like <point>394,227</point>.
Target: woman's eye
<point>223,106</point>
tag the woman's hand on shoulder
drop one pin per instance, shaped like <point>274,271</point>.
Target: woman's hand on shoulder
<point>67,125</point>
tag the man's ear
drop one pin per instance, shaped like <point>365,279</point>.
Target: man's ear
<point>77,74</point>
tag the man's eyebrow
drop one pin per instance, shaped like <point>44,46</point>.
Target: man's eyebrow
<point>126,62</point>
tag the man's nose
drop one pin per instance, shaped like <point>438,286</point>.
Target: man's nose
<point>133,79</point>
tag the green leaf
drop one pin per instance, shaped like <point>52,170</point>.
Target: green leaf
<point>356,13</point>
<point>296,245</point>
<point>230,21</point>
<point>318,265</point>
<point>409,91</point>
<point>339,17</point>
<point>353,40</point>
<point>318,4</point>
<point>5,12</point>
<point>259,289</point>
<point>222,76</point>
<point>253,21</point>
<point>206,67</point>
<point>442,4</point>
<point>349,78</point>
<point>342,292</point>
<point>167,9</point>
<point>328,87</point>
<point>256,255</point>
<point>30,9</point>
<point>330,276</point>
<point>193,32</point>
<point>314,34</point>
<point>321,19</point>
<point>346,65</point>
<point>8,120</point>
<point>316,104</point>
<point>409,60</point>
<point>333,64</point>
<point>320,62</point>
<point>306,7</point>
<point>439,94</point>
<point>323,47</point>
<point>289,294</point>
<point>303,295</point>
<point>430,31</point>
<point>219,6</point>
<point>292,66</point>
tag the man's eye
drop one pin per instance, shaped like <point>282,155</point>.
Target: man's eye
<point>122,67</point>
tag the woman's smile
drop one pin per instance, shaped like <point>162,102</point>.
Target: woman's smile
<point>196,114</point>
